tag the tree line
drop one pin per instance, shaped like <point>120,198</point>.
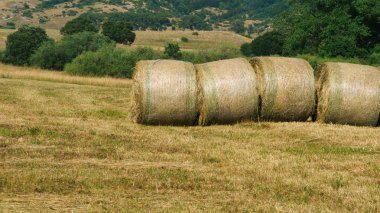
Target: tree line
<point>87,50</point>
<point>327,28</point>
<point>183,14</point>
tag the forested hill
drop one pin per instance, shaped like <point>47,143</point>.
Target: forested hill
<point>197,14</point>
<point>229,8</point>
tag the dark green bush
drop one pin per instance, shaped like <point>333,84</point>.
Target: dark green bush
<point>71,13</point>
<point>54,56</point>
<point>27,13</point>
<point>23,43</point>
<point>146,53</point>
<point>79,25</point>
<point>48,56</point>
<point>268,44</point>
<point>43,19</point>
<point>119,31</point>
<point>172,50</point>
<point>184,39</point>
<point>204,56</point>
<point>2,54</point>
<point>374,58</point>
<point>110,61</point>
<point>246,49</point>
<point>9,25</point>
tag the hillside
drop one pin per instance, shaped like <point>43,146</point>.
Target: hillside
<point>206,40</point>
<point>53,14</point>
<point>66,144</point>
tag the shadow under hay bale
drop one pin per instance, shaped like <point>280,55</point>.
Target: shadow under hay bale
<point>349,94</point>
<point>227,92</point>
<point>286,88</point>
<point>164,93</point>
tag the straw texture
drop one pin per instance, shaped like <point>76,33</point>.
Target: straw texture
<point>286,88</point>
<point>164,93</point>
<point>227,92</point>
<point>349,94</point>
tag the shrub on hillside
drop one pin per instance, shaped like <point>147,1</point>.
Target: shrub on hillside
<point>27,13</point>
<point>2,54</point>
<point>268,44</point>
<point>172,50</point>
<point>146,53</point>
<point>374,58</point>
<point>54,56</point>
<point>109,61</point>
<point>204,56</point>
<point>246,49</point>
<point>23,43</point>
<point>119,31</point>
<point>185,39</point>
<point>79,25</point>
<point>9,25</point>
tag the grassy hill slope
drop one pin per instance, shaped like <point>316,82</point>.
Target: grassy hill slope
<point>157,40</point>
<point>70,146</point>
<point>53,14</point>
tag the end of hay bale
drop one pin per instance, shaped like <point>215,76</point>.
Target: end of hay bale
<point>349,94</point>
<point>227,92</point>
<point>286,88</point>
<point>164,93</point>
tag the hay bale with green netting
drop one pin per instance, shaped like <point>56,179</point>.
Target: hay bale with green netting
<point>286,88</point>
<point>164,93</point>
<point>349,94</point>
<point>227,92</point>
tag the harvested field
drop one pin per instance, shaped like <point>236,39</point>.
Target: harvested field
<point>71,147</point>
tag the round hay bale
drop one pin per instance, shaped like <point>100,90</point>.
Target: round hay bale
<point>164,93</point>
<point>286,88</point>
<point>227,92</point>
<point>349,94</point>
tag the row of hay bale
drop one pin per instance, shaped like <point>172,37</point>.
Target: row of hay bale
<point>168,92</point>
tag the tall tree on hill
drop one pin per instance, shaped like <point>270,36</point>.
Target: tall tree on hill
<point>331,28</point>
<point>79,25</point>
<point>119,31</point>
<point>238,27</point>
<point>270,43</point>
<point>23,43</point>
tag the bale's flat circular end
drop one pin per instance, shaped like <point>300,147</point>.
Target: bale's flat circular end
<point>164,93</point>
<point>286,88</point>
<point>227,92</point>
<point>349,94</point>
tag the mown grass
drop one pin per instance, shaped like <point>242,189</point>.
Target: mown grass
<point>206,40</point>
<point>71,147</point>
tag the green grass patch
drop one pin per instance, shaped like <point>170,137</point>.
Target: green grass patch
<point>16,132</point>
<point>321,149</point>
<point>338,183</point>
<point>211,160</point>
<point>110,113</point>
